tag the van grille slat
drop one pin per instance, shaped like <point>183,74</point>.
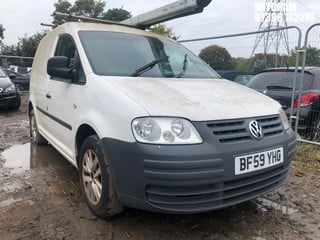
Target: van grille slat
<point>233,131</point>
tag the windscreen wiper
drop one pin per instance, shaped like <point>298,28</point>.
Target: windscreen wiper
<point>279,88</point>
<point>184,67</point>
<point>148,66</point>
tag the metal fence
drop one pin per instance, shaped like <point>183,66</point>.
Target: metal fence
<point>302,104</point>
<point>308,113</point>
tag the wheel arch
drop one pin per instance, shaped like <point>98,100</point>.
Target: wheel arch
<point>83,132</point>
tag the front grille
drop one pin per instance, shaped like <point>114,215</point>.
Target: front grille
<point>237,130</point>
<point>215,195</point>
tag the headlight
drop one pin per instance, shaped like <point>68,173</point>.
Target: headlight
<point>10,89</point>
<point>165,131</point>
<point>284,119</point>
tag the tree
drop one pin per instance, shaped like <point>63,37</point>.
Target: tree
<point>117,15</point>
<point>88,8</point>
<point>217,57</point>
<point>61,6</point>
<point>261,61</point>
<point>2,29</point>
<point>162,29</point>
<point>26,47</point>
<point>241,64</point>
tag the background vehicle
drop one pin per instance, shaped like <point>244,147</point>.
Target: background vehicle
<point>277,83</point>
<point>20,80</point>
<point>9,96</point>
<point>21,70</point>
<point>236,76</point>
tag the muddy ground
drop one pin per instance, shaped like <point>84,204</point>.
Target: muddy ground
<point>40,198</point>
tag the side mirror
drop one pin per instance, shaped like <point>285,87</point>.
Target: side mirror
<point>58,66</point>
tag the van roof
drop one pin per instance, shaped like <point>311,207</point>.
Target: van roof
<point>112,27</point>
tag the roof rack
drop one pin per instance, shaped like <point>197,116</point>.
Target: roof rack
<point>167,12</point>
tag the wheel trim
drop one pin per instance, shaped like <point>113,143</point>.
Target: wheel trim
<point>91,176</point>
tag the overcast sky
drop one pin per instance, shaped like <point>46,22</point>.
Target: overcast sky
<point>23,17</point>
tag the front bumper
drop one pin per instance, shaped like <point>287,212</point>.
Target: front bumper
<point>9,100</point>
<point>194,178</point>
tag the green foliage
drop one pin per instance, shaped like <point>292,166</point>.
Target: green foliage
<point>88,8</point>
<point>241,64</point>
<point>217,57</point>
<point>61,6</point>
<point>162,29</point>
<point>261,61</point>
<point>312,59</point>
<point>313,56</point>
<point>26,47</point>
<point>117,15</point>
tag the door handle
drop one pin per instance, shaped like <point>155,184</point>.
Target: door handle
<point>48,95</point>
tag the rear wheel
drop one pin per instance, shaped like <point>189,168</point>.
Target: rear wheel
<point>34,132</point>
<point>96,179</point>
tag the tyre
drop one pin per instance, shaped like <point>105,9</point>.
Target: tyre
<point>34,132</point>
<point>96,179</point>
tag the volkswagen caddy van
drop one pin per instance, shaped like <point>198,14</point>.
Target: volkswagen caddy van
<point>150,126</point>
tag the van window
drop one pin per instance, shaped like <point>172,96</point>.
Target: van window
<point>122,54</point>
<point>67,48</point>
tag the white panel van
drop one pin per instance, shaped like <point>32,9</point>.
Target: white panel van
<point>151,126</point>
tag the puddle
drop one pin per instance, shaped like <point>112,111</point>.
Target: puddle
<point>266,204</point>
<point>17,157</point>
<point>28,156</point>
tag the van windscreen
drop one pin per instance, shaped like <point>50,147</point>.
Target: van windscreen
<point>124,54</point>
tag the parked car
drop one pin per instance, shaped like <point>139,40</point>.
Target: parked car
<point>9,96</point>
<point>20,80</point>
<point>22,70</point>
<point>277,83</point>
<point>150,126</point>
<point>236,76</point>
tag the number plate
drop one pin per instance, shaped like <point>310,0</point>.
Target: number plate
<point>257,161</point>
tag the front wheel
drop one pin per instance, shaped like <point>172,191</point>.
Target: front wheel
<point>96,179</point>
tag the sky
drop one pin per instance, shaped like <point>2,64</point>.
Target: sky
<point>23,17</point>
